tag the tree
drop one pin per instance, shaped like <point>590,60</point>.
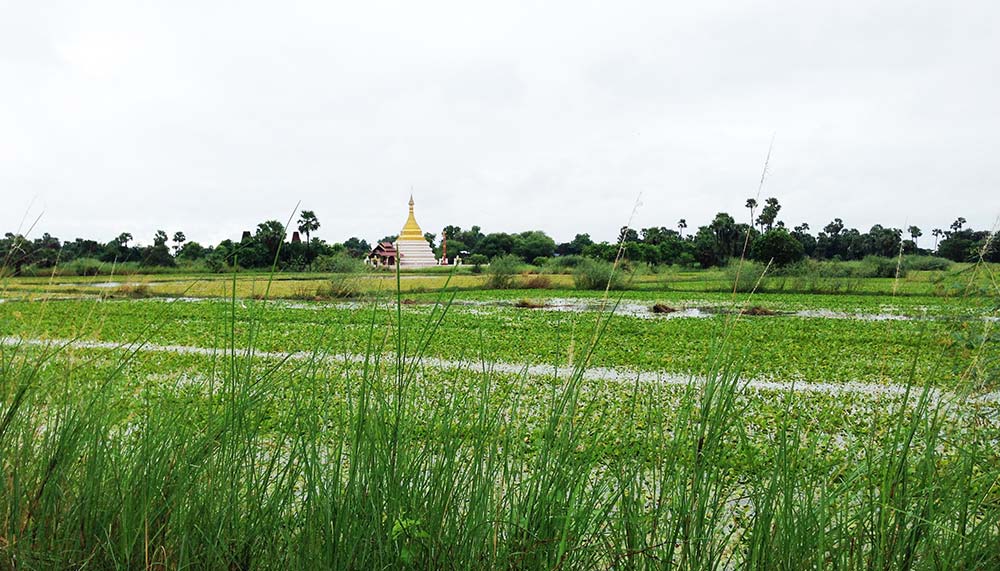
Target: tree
<point>271,235</point>
<point>123,239</point>
<point>769,214</point>
<point>494,244</point>
<point>430,237</point>
<point>576,247</point>
<point>357,247</point>
<point>627,235</point>
<point>308,223</point>
<point>192,251</point>
<point>534,244</point>
<point>914,234</point>
<point>777,246</point>
<point>681,225</point>
<point>801,233</point>
<point>834,228</point>
<point>958,223</point>
<point>937,233</point>
<point>158,254</point>
<point>471,237</point>
<point>880,241</point>
<point>752,205</point>
<point>179,239</point>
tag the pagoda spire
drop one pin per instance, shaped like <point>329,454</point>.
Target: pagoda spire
<point>411,230</point>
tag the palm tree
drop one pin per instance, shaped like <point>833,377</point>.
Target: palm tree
<point>179,239</point>
<point>937,233</point>
<point>308,223</point>
<point>681,225</point>
<point>958,223</point>
<point>751,204</point>
<point>914,233</point>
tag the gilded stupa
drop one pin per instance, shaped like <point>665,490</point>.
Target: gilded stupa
<point>414,251</point>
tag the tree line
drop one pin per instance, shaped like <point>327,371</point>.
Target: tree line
<point>765,237</point>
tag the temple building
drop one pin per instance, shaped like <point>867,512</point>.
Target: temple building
<point>383,255</point>
<point>411,246</point>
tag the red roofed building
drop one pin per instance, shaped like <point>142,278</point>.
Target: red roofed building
<point>383,255</point>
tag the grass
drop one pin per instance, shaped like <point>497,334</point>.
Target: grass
<point>358,453</point>
<point>811,348</point>
<point>290,285</point>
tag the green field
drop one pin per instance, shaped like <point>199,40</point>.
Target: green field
<point>236,422</point>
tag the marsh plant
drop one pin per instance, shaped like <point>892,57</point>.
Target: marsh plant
<point>502,271</point>
<point>590,274</point>
<point>281,463</point>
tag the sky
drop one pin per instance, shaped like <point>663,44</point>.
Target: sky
<point>569,117</point>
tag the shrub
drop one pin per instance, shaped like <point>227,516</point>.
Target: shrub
<point>339,263</point>
<point>341,286</point>
<point>536,282</point>
<point>477,261</point>
<point>540,261</point>
<point>502,271</point>
<point>85,267</point>
<point>879,267</point>
<point>139,291</point>
<point>561,264</point>
<point>746,277</point>
<point>597,275</point>
<point>215,263</point>
<point>926,263</point>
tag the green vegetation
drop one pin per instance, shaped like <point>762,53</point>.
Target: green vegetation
<point>432,422</point>
<point>361,453</point>
<point>597,275</point>
<point>712,245</point>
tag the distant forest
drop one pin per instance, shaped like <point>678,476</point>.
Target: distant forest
<point>766,239</point>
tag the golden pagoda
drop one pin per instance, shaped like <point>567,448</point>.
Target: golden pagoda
<point>414,251</point>
<point>411,230</point>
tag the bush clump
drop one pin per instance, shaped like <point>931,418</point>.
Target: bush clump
<point>926,263</point>
<point>339,263</point>
<point>477,261</point>
<point>132,291</point>
<point>597,275</point>
<point>536,282</point>
<point>502,271</point>
<point>562,264</point>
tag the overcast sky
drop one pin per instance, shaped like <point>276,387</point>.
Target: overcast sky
<point>211,117</point>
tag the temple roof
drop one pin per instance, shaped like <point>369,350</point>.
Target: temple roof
<point>411,230</point>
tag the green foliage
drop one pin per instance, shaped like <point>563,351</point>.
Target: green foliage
<point>777,246</point>
<point>242,459</point>
<point>339,263</point>
<point>563,264</point>
<point>502,271</point>
<point>597,275</point>
<point>477,261</point>
<point>926,263</point>
<point>357,247</point>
